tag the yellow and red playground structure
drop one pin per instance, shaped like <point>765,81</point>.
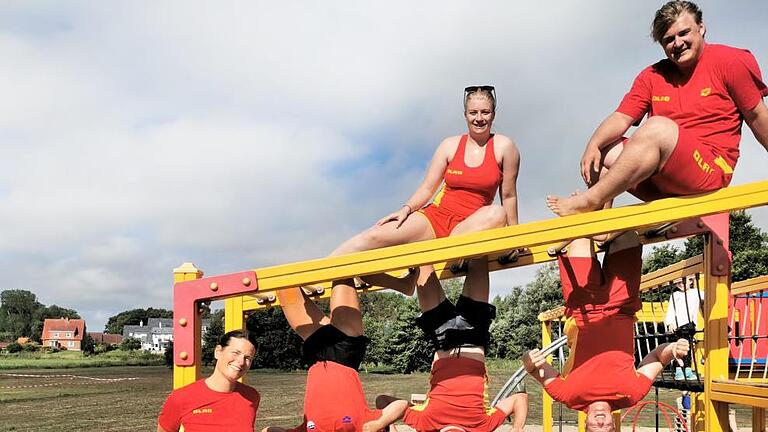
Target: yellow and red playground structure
<point>734,364</point>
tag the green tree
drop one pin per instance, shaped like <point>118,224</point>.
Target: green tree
<point>503,327</point>
<point>168,354</point>
<point>212,335</point>
<point>17,311</point>
<point>660,257</point>
<point>748,244</point>
<point>130,344</point>
<point>278,345</point>
<point>115,323</point>
<point>88,347</point>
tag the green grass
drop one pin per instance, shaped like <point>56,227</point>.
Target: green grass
<point>76,359</point>
<point>47,402</point>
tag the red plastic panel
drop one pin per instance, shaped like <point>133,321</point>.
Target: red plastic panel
<point>187,294</point>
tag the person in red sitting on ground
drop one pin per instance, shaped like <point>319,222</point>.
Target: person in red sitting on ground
<point>218,402</point>
<point>696,100</point>
<point>334,347</point>
<point>601,303</point>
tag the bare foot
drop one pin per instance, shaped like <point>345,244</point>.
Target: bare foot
<point>563,206</point>
<point>405,284</point>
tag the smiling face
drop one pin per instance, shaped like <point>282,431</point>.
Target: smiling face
<point>479,113</point>
<point>683,41</point>
<point>234,360</point>
<point>599,418</point>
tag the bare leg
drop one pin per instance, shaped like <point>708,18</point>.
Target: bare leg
<point>404,285</point>
<point>517,405</point>
<point>430,292</point>
<point>581,247</point>
<point>345,308</point>
<point>643,155</point>
<point>302,314</point>
<point>476,284</point>
<point>415,228</point>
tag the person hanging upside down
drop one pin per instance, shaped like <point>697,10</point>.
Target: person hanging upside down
<point>334,347</point>
<point>471,167</point>
<point>218,402</point>
<point>460,334</point>
<point>601,303</point>
<point>696,100</point>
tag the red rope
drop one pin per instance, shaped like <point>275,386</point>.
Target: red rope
<point>664,408</point>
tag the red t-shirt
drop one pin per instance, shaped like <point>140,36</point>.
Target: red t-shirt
<point>592,292</point>
<point>725,83</point>
<point>334,400</point>
<point>603,367</point>
<point>466,189</point>
<point>602,303</point>
<point>198,408</point>
<point>458,397</point>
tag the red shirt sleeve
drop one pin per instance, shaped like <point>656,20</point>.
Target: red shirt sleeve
<point>170,418</point>
<point>744,81</point>
<point>558,389</point>
<point>637,101</point>
<point>641,387</point>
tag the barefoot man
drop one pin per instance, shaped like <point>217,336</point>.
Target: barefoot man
<point>695,99</point>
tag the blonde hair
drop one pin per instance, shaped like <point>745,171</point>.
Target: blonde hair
<point>669,13</point>
<point>480,94</point>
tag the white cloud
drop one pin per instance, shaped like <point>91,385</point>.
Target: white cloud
<point>136,136</point>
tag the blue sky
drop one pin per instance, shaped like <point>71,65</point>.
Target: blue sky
<point>139,135</point>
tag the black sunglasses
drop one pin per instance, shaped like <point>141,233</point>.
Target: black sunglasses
<point>473,89</point>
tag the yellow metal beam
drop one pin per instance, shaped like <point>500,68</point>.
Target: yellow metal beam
<point>755,395</point>
<point>501,240</point>
<point>671,273</point>
<point>750,285</point>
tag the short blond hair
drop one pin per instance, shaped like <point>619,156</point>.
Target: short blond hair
<point>668,14</point>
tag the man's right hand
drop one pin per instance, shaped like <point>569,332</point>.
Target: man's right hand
<point>533,360</point>
<point>590,164</point>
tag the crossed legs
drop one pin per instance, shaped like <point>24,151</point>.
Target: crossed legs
<point>643,155</point>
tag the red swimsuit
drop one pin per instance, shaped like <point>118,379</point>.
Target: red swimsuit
<point>466,189</point>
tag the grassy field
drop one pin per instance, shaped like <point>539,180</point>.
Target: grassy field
<point>129,398</point>
<point>76,359</point>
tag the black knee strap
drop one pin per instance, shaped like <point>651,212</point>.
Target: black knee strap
<point>466,324</point>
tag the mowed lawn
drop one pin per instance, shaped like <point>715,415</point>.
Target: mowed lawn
<point>129,398</point>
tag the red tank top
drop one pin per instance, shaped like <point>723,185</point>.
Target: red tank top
<point>466,189</point>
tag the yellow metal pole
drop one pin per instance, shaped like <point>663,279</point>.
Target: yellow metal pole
<point>546,400</point>
<point>183,375</point>
<point>715,336</point>
<point>233,314</point>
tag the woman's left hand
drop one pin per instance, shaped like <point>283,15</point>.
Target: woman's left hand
<point>399,216</point>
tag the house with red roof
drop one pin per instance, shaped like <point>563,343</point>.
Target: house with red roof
<point>63,333</point>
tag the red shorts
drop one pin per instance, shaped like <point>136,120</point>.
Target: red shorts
<point>592,293</point>
<point>692,168</point>
<point>442,221</point>
<point>334,399</point>
<point>458,397</point>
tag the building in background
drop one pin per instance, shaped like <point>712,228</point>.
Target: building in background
<point>157,334</point>
<point>63,333</point>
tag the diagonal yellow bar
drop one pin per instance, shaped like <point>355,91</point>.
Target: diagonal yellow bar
<point>505,239</point>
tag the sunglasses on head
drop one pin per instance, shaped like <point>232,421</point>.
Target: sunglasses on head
<point>473,89</point>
